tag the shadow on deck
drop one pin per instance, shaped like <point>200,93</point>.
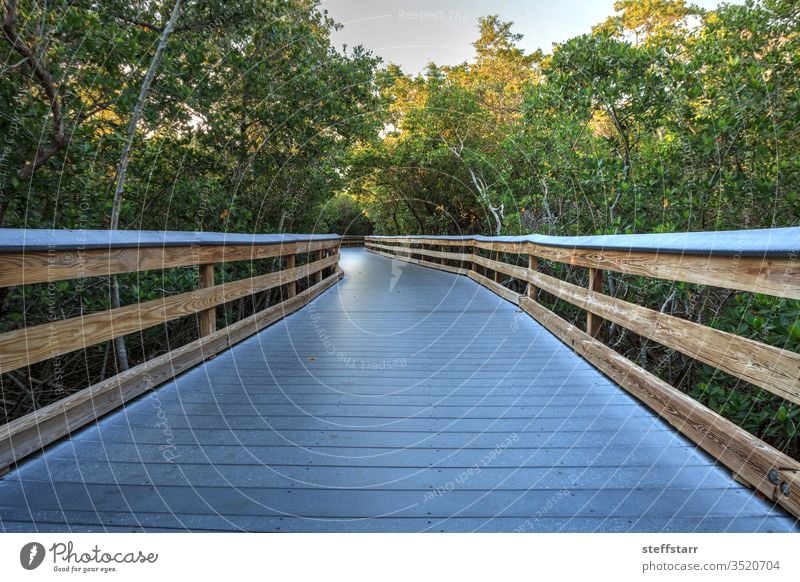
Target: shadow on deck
<point>403,399</point>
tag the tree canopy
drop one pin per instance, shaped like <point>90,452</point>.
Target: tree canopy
<point>664,117</point>
<point>245,127</point>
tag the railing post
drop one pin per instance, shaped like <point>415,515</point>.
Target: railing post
<point>208,317</point>
<point>533,264</point>
<point>594,323</point>
<point>291,287</point>
<point>318,255</point>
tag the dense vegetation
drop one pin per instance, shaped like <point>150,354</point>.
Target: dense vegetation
<point>664,117</point>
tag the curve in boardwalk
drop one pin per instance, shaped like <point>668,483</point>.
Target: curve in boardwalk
<point>403,399</point>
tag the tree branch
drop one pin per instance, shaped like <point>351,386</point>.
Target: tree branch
<point>45,81</point>
<point>135,22</point>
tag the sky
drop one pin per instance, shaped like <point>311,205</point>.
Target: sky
<point>413,32</point>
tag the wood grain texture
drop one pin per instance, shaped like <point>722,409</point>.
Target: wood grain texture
<point>757,363</point>
<point>533,265</point>
<point>768,367</point>
<point>448,268</point>
<point>594,323</point>
<point>208,317</point>
<point>27,346</point>
<point>513,271</point>
<point>407,241</point>
<point>749,457</point>
<point>352,240</point>
<point>496,287</point>
<point>30,433</point>
<point>317,276</point>
<point>291,286</point>
<point>461,257</point>
<point>771,276</point>
<point>42,267</point>
<point>771,368</point>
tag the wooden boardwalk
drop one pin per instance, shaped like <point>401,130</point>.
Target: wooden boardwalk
<point>402,399</point>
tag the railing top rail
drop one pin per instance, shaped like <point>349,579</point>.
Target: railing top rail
<point>24,239</point>
<point>768,242</point>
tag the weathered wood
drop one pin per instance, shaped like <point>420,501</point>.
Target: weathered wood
<point>30,433</point>
<point>27,346</point>
<point>352,240</point>
<point>461,257</point>
<point>769,275</point>
<point>291,286</point>
<point>503,247</point>
<point>448,268</point>
<point>533,264</point>
<point>768,367</point>
<point>520,273</point>
<point>317,277</point>
<point>405,241</point>
<point>765,366</point>
<point>749,457</point>
<point>497,288</point>
<point>594,324</point>
<point>17,268</point>
<point>208,317</point>
<point>771,368</point>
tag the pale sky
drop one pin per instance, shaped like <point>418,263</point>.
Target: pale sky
<point>413,32</point>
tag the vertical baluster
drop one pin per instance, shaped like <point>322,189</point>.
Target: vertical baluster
<point>208,317</point>
<point>594,324</point>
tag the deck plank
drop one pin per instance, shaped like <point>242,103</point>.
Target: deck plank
<point>404,399</point>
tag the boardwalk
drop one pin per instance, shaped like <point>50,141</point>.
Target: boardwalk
<point>403,399</point>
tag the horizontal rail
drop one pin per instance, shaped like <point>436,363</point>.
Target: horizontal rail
<point>460,257</point>
<point>768,367</point>
<point>29,267</point>
<point>123,252</point>
<point>751,459</point>
<point>776,275</point>
<point>352,240</point>
<point>448,268</point>
<point>769,242</point>
<point>503,292</point>
<point>26,346</point>
<point>775,271</point>
<point>30,433</point>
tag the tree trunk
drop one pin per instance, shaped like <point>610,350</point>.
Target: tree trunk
<point>119,343</point>
<point>497,211</point>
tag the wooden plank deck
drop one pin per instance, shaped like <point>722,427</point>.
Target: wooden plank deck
<point>403,399</point>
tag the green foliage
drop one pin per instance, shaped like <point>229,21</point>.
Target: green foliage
<point>345,216</point>
<point>665,118</point>
<point>246,126</point>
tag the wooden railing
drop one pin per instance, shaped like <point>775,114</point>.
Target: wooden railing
<point>31,257</point>
<point>352,240</point>
<point>765,262</point>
